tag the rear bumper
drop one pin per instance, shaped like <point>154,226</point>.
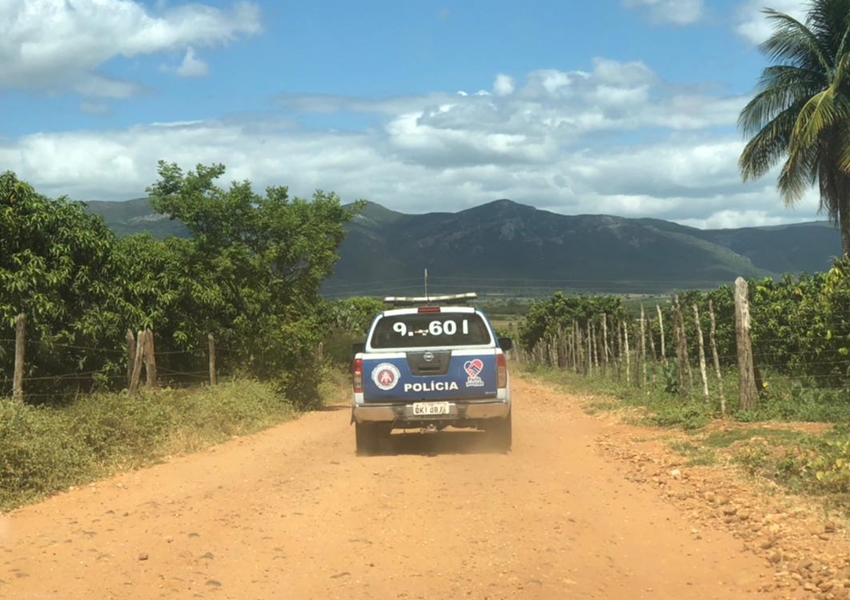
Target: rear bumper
<point>403,413</point>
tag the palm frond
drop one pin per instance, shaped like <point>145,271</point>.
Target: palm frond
<point>842,72</point>
<point>794,43</point>
<point>780,86</point>
<point>829,21</point>
<point>841,132</point>
<point>769,144</point>
<point>818,115</point>
<point>823,118</point>
<point>798,174</point>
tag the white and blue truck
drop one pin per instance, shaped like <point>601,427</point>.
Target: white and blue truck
<point>429,363</point>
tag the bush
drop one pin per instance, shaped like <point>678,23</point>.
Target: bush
<point>38,452</point>
<point>44,450</point>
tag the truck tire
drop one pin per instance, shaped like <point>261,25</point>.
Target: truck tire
<point>367,438</point>
<point>500,433</point>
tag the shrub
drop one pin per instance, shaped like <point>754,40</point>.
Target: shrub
<point>44,450</point>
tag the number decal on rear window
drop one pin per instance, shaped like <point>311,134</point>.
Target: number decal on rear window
<point>419,330</point>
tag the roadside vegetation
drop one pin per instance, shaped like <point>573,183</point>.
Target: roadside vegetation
<point>795,441</point>
<point>798,432</point>
<point>46,449</point>
<point>249,274</point>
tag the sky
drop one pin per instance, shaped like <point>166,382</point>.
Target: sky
<point>620,107</point>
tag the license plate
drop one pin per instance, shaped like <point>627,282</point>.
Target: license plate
<point>423,409</point>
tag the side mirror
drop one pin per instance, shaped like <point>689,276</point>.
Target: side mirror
<point>359,347</point>
<point>506,343</point>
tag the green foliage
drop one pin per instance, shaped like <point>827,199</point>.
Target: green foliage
<point>801,327</point>
<point>667,412</point>
<point>352,314</point>
<point>250,274</point>
<point>800,112</point>
<point>697,454</point>
<point>44,450</point>
<point>264,258</point>
<point>38,452</point>
<point>803,463</point>
<point>790,400</point>
<point>57,267</point>
<point>347,322</point>
<point>670,373</point>
<point>547,318</point>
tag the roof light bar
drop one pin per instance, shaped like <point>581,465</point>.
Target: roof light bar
<point>430,300</point>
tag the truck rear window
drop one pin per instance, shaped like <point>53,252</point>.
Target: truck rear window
<point>419,330</point>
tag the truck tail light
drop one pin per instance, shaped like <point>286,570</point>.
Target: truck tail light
<point>357,376</point>
<point>501,370</point>
<point>428,309</point>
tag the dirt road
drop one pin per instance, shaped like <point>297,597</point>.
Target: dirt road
<point>293,513</point>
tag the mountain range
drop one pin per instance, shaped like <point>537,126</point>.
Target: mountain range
<point>503,247</point>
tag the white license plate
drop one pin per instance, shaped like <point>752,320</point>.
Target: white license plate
<point>421,409</point>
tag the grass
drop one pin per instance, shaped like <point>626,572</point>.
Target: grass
<point>653,407</point>
<point>696,454</point>
<point>46,450</point>
<point>784,399</point>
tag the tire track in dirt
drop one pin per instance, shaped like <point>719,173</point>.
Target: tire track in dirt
<point>292,512</point>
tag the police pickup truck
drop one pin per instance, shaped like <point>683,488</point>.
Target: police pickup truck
<point>430,363</point>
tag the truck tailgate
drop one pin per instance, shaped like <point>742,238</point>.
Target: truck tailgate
<point>429,375</point>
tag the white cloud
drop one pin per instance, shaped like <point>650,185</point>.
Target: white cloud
<point>59,44</point>
<point>614,139</point>
<point>192,66</point>
<point>752,22</point>
<point>504,85</point>
<point>674,12</point>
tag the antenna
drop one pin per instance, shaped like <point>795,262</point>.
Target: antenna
<point>426,283</point>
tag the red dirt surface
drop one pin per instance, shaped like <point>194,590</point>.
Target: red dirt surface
<point>293,513</point>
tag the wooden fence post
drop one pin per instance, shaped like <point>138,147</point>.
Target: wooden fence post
<point>702,369</point>
<point>643,344</point>
<point>131,355</point>
<point>211,341</point>
<point>628,354</point>
<point>681,344</point>
<point>594,338</point>
<point>137,363</point>
<point>20,348</point>
<point>564,347</point>
<point>661,330</point>
<point>150,360</point>
<point>605,342</point>
<point>653,374</point>
<point>712,335</point>
<point>746,370</point>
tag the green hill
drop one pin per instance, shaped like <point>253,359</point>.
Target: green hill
<point>507,248</point>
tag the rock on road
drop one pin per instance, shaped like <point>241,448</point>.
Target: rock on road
<point>293,513</point>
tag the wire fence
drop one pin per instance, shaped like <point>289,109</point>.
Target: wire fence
<point>55,371</point>
<point>642,353</point>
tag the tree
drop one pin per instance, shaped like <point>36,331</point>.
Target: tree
<point>801,110</point>
<point>263,258</point>
<point>546,318</point>
<point>56,266</point>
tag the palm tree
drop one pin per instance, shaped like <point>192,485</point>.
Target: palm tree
<point>801,111</point>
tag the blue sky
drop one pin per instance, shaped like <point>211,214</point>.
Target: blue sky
<point>623,107</point>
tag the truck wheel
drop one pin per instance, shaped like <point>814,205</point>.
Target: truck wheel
<point>501,433</point>
<point>367,438</point>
